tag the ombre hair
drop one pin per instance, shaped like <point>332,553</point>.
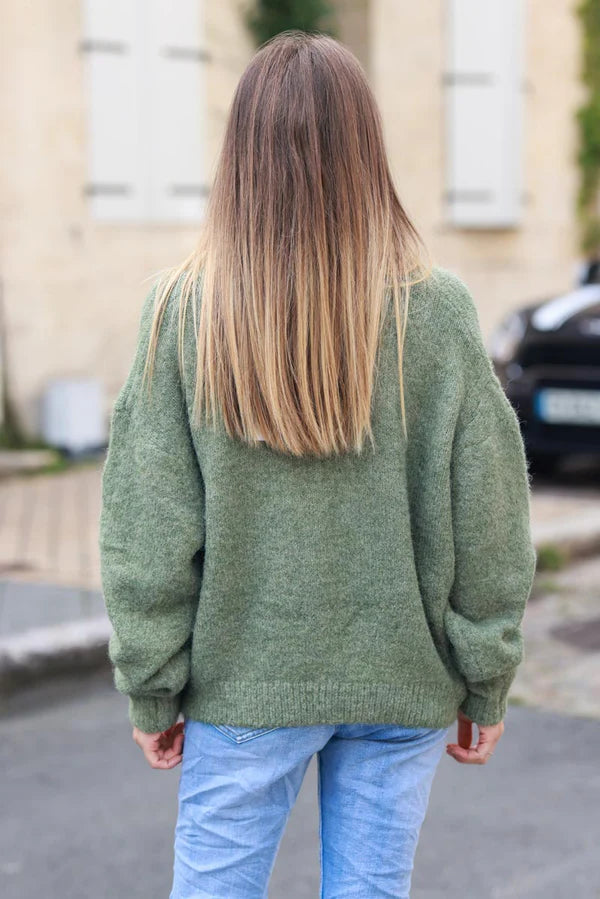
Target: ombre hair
<point>302,246</point>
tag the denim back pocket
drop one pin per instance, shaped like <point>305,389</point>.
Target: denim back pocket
<point>240,733</point>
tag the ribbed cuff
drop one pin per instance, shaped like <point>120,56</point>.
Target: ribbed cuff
<point>484,711</point>
<point>486,701</point>
<point>153,713</point>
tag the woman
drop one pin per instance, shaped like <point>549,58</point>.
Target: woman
<point>315,526</point>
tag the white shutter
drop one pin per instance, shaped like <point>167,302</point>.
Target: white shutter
<point>176,111</point>
<point>111,52</point>
<point>484,98</point>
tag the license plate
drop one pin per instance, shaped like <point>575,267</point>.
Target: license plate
<point>559,405</point>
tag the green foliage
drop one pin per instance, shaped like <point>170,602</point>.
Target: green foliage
<point>550,557</point>
<point>515,699</point>
<point>588,121</point>
<point>11,433</point>
<point>269,17</point>
<point>60,464</point>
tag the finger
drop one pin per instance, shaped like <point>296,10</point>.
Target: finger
<point>175,729</point>
<point>166,753</point>
<point>176,748</point>
<point>489,736</point>
<point>471,756</point>
<point>151,746</point>
<point>465,733</point>
<point>156,759</point>
<point>168,736</point>
<point>479,754</point>
<point>165,764</point>
<point>151,756</point>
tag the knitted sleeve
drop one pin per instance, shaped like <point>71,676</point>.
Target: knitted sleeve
<point>495,557</point>
<point>152,533</point>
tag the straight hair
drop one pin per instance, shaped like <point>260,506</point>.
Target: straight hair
<point>303,245</point>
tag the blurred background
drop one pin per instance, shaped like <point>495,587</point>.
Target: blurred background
<point>112,116</point>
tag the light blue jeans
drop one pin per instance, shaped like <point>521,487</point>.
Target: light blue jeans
<point>238,785</point>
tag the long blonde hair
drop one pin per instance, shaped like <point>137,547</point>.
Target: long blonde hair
<point>303,243</point>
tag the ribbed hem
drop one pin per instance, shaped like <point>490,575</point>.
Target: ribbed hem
<point>153,713</point>
<point>284,704</point>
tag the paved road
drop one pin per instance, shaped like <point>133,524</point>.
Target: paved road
<point>85,818</point>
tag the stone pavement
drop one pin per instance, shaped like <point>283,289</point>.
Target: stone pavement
<point>49,526</point>
<point>561,627</point>
<point>51,611</point>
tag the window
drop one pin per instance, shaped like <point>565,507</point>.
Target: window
<point>145,83</point>
<point>483,106</point>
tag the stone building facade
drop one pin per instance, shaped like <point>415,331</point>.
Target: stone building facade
<point>72,274</point>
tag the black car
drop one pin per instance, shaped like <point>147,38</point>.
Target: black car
<point>547,357</point>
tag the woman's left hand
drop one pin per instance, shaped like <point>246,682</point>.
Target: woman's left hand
<point>463,752</point>
<point>164,749</point>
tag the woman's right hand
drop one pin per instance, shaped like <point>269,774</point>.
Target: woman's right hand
<point>163,749</point>
<point>486,743</point>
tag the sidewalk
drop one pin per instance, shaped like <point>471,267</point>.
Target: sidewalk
<point>52,615</point>
<point>50,568</point>
<point>49,527</point>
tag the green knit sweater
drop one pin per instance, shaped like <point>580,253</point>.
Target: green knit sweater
<point>249,587</point>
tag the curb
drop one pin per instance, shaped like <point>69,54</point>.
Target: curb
<point>16,462</point>
<point>569,539</point>
<point>44,651</point>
